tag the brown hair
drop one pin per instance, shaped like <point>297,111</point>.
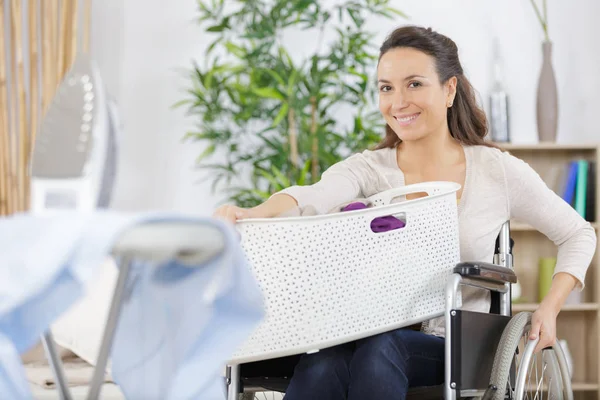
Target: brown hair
<point>466,120</point>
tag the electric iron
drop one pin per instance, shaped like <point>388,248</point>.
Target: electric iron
<point>74,158</point>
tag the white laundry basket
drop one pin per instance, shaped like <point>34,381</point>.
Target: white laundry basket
<point>330,279</point>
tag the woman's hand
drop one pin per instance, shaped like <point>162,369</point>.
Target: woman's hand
<point>274,206</point>
<point>543,325</point>
<point>232,213</point>
<point>543,320</point>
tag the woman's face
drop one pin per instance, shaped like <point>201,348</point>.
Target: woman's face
<point>411,98</point>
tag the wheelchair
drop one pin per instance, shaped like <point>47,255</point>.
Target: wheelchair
<point>487,355</point>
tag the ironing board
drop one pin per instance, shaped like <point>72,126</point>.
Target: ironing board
<point>157,242</point>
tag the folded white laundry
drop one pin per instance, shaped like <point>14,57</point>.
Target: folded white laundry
<point>179,322</point>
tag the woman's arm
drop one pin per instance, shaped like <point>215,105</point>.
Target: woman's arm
<point>274,206</point>
<point>543,322</point>
<point>533,202</point>
<point>562,284</point>
<point>340,183</point>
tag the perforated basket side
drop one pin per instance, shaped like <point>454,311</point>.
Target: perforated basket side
<point>329,280</point>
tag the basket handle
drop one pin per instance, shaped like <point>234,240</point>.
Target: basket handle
<point>431,188</point>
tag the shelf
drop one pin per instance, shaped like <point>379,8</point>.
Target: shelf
<point>576,386</point>
<point>522,227</point>
<point>579,324</point>
<point>584,387</point>
<point>519,307</point>
<point>548,146</point>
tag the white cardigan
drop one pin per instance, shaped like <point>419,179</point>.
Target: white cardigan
<point>498,187</point>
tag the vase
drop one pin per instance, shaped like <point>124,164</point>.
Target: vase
<point>547,98</point>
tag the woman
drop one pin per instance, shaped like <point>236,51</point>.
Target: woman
<point>435,132</point>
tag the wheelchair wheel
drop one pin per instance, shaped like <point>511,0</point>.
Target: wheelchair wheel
<point>543,375</point>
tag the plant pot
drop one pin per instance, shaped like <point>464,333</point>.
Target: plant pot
<point>547,98</point>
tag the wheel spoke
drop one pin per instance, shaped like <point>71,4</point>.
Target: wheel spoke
<point>540,381</point>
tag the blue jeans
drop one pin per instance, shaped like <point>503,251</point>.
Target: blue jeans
<point>378,367</point>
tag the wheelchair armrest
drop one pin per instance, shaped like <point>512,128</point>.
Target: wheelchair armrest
<point>486,271</point>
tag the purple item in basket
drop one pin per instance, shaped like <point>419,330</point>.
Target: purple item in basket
<point>354,206</point>
<point>379,224</point>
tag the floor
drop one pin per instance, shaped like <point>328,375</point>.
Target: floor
<point>268,396</point>
<point>112,392</point>
<point>109,392</point>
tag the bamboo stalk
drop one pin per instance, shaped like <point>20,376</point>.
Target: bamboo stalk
<point>293,138</point>
<point>49,53</point>
<point>22,126</point>
<point>46,50</point>
<point>13,189</point>
<point>49,59</point>
<point>87,26</point>
<point>34,65</point>
<point>4,126</point>
<point>22,130</point>
<point>34,62</point>
<point>71,37</point>
<point>56,50</point>
<point>65,44</point>
<point>315,140</point>
<point>62,29</point>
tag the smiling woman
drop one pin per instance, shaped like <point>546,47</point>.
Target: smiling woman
<point>413,105</point>
<point>435,131</point>
<point>423,89</point>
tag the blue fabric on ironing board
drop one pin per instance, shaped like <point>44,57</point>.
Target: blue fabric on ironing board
<point>178,324</point>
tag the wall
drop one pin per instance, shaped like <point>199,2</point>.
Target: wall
<point>141,45</point>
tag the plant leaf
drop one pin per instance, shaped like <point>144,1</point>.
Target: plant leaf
<point>285,182</point>
<point>272,180</point>
<point>216,28</point>
<point>283,112</point>
<point>208,151</point>
<point>268,92</point>
<point>397,12</point>
<point>275,76</point>
<point>235,49</point>
<point>304,172</point>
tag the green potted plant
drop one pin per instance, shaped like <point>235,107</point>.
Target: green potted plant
<point>264,114</point>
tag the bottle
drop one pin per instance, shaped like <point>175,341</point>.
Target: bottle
<point>498,103</point>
